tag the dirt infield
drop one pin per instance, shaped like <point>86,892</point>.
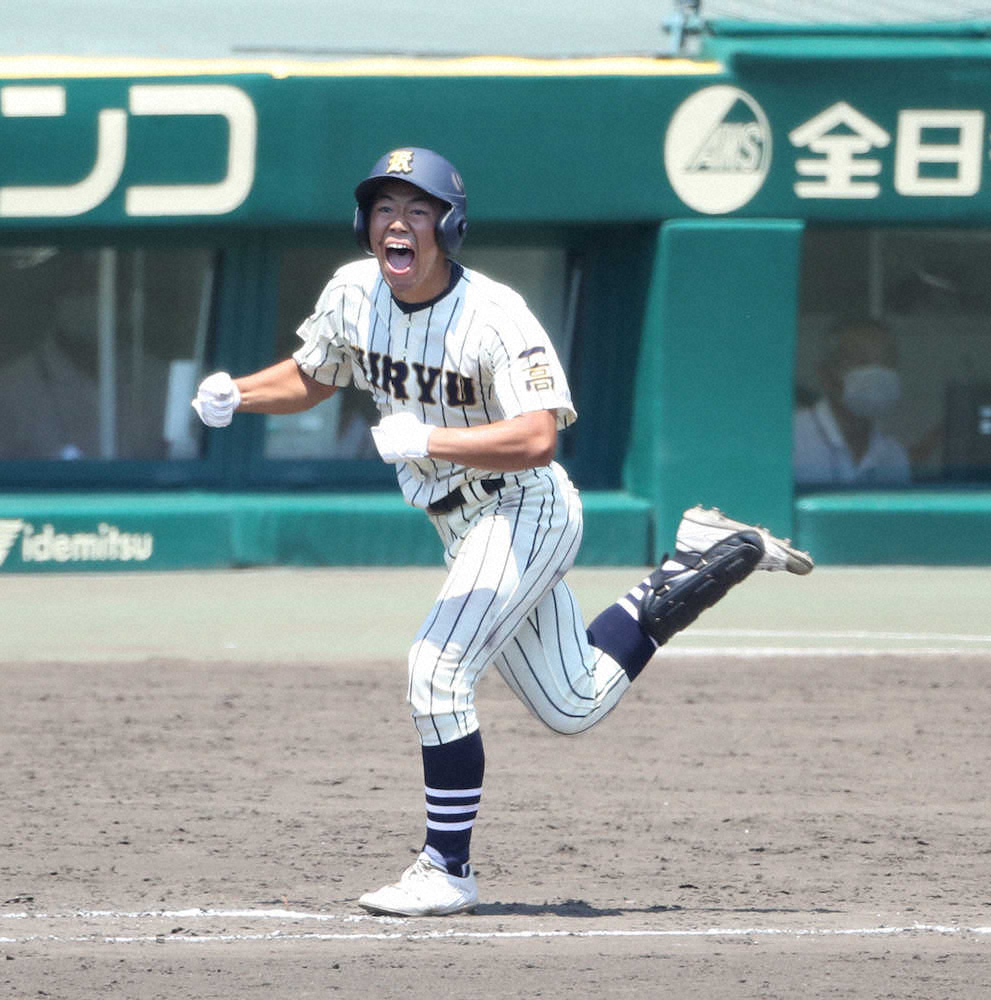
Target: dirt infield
<point>745,825</point>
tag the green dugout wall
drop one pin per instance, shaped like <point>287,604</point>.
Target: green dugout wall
<point>686,188</point>
<point>712,415</point>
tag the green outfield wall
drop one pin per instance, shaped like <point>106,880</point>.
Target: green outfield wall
<point>679,191</point>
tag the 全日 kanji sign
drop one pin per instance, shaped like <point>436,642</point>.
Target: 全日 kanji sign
<point>718,152</point>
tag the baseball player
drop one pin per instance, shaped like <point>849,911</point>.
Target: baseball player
<point>472,396</point>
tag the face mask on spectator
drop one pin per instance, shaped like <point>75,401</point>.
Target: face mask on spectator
<point>870,391</point>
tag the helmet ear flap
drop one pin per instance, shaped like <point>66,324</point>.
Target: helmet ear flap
<point>451,229</point>
<point>361,230</point>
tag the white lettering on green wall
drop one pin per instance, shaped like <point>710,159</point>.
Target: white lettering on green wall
<point>81,196</point>
<point>199,199</point>
<point>952,139</point>
<point>839,136</point>
<point>939,153</point>
<point>107,544</point>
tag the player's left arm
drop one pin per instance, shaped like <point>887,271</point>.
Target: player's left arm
<point>521,442</point>
<point>526,376</point>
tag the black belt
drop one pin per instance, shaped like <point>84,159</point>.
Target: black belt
<point>461,496</point>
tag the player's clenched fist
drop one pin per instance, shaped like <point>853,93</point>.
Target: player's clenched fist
<point>216,399</point>
<point>400,436</point>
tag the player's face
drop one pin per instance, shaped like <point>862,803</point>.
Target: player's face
<point>401,230</point>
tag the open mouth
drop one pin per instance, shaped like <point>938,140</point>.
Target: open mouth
<point>399,257</point>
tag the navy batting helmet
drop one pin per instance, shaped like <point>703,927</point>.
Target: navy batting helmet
<point>428,171</point>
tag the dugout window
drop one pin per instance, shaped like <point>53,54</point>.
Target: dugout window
<point>547,277</point>
<point>913,302</point>
<point>103,350</point>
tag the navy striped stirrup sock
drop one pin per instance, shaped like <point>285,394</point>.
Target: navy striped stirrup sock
<point>452,777</point>
<point>617,632</point>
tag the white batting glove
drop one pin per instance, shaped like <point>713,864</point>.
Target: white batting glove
<point>400,436</point>
<point>216,400</point>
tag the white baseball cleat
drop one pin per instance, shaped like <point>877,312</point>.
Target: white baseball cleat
<point>701,528</point>
<point>424,890</point>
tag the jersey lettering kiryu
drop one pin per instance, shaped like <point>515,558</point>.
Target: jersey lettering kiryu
<point>473,356</point>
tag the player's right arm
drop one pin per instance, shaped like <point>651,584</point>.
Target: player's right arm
<point>311,375</point>
<point>280,388</point>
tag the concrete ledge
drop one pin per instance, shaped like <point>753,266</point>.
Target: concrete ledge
<point>915,527</point>
<point>43,532</point>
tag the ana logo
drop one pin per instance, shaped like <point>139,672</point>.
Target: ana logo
<point>717,150</point>
<point>9,530</point>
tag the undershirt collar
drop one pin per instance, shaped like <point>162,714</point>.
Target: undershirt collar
<point>411,307</point>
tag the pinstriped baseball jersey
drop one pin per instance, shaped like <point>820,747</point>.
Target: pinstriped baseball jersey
<point>472,356</point>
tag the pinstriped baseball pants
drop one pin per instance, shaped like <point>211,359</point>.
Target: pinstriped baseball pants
<point>505,602</point>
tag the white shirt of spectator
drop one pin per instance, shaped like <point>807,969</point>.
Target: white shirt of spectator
<point>822,457</point>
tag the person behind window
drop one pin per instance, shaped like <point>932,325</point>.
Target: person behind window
<point>838,440</point>
<point>48,400</point>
